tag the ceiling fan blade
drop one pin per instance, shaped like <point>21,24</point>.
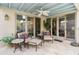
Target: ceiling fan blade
<point>46,11</point>
<point>45,14</point>
<point>39,15</point>
<point>39,11</point>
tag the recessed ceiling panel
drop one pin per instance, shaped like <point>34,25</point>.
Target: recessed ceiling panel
<point>54,8</point>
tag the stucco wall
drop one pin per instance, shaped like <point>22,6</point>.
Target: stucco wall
<point>7,27</point>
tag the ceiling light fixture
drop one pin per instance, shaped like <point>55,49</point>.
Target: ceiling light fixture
<point>42,12</point>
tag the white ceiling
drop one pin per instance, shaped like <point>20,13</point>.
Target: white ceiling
<point>54,8</point>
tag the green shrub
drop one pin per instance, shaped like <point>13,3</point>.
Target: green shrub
<point>7,40</point>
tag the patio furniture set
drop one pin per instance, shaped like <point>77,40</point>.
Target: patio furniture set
<point>26,41</point>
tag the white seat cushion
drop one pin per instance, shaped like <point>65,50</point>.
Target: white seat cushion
<point>35,41</point>
<point>47,37</point>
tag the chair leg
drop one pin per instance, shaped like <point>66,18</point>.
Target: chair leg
<point>28,45</point>
<point>52,41</point>
<point>41,43</point>
<point>15,47</point>
<point>20,46</point>
<point>24,45</point>
<point>36,48</point>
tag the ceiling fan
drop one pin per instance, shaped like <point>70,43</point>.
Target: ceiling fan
<point>42,12</point>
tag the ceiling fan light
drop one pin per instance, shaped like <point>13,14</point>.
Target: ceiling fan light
<point>45,14</point>
<point>39,15</point>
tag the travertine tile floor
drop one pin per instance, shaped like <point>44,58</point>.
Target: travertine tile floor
<point>55,48</point>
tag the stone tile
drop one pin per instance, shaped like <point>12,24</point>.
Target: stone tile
<point>48,48</point>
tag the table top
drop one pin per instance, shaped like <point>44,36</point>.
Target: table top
<point>17,41</point>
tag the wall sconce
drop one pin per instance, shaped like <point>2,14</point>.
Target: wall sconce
<point>6,17</point>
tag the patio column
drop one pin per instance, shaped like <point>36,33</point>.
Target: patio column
<point>77,27</point>
<point>65,27</point>
<point>26,24</point>
<point>51,26</point>
<point>57,27</point>
<point>41,23</point>
<point>34,27</point>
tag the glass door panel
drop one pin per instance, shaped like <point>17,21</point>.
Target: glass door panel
<point>62,26</point>
<point>54,26</point>
<point>70,25</point>
<point>37,25</point>
<point>30,25</point>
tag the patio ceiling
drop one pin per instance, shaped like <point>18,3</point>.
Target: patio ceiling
<point>54,8</point>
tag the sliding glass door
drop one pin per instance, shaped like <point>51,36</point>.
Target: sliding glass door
<point>70,25</point>
<point>62,26</point>
<point>66,26</point>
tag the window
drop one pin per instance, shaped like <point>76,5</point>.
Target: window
<point>20,24</point>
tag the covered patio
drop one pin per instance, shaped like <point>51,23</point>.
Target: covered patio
<point>48,48</point>
<point>61,22</point>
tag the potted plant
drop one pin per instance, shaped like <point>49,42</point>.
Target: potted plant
<point>30,32</point>
<point>7,40</point>
<point>47,24</point>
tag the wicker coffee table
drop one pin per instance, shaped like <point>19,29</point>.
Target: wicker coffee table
<point>17,44</point>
